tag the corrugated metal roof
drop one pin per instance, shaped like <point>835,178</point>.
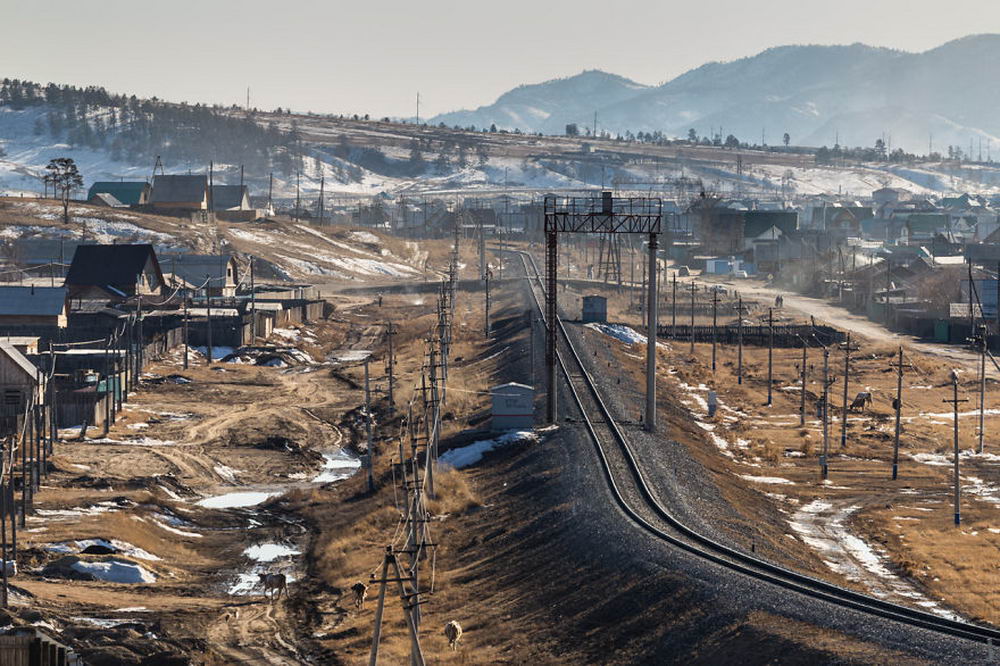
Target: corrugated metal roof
<point>111,265</point>
<point>178,189</point>
<point>225,197</point>
<point>44,250</point>
<point>32,301</point>
<point>129,193</point>
<point>193,268</point>
<point>108,200</point>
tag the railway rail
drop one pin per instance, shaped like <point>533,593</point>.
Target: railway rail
<point>626,480</point>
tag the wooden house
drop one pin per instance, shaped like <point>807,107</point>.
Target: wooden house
<point>220,271</point>
<point>180,192</point>
<point>33,306</point>
<point>125,194</point>
<point>114,272</point>
<point>20,381</point>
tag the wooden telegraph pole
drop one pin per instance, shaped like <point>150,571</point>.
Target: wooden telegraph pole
<point>802,395</point>
<point>715,323</point>
<point>770,355</point>
<point>694,288</point>
<point>673,310</point>
<point>982,383</point>
<point>739,345</point>
<point>847,371</point>
<point>825,410</point>
<point>368,431</point>
<point>898,406</point>
<point>958,485</point>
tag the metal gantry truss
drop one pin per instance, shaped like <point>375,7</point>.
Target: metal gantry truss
<point>606,215</point>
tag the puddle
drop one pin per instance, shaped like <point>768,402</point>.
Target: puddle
<point>237,500</point>
<point>337,466</point>
<point>269,552</point>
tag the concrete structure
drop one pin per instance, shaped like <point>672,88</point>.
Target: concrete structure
<point>595,309</point>
<point>513,407</point>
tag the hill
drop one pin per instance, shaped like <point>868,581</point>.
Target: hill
<point>547,107</point>
<point>815,93</point>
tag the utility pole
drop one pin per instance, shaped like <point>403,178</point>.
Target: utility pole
<point>298,175</point>
<point>651,314</point>
<point>802,393</point>
<point>982,383</point>
<point>368,431</point>
<point>770,355</point>
<point>673,310</point>
<point>186,347</point>
<point>208,314</point>
<point>739,345</point>
<point>391,367</point>
<point>270,189</point>
<point>322,180</point>
<point>825,409</point>
<point>715,322</point>
<point>958,485</point>
<point>847,371</point>
<point>694,288</point>
<point>898,406</point>
<point>486,326</point>
<point>253,305</point>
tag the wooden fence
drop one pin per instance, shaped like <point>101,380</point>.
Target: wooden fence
<point>784,336</point>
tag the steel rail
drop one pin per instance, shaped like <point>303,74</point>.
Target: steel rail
<point>718,553</point>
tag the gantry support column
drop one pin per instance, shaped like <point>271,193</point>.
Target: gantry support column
<point>651,313</point>
<point>551,265</point>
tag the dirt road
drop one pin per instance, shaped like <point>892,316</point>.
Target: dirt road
<point>845,319</point>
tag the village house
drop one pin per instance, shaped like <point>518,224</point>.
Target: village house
<point>119,194</point>
<point>46,257</point>
<point>230,197</point>
<point>179,192</point>
<point>114,272</point>
<point>19,383</point>
<point>220,271</point>
<point>32,306</point>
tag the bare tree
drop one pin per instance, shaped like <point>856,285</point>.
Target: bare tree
<point>64,177</point>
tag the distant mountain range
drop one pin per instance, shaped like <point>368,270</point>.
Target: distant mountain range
<point>946,96</point>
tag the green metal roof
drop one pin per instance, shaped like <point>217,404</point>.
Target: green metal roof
<point>129,193</point>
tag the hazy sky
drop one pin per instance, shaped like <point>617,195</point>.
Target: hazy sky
<point>372,56</point>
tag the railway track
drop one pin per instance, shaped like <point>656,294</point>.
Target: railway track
<point>637,500</point>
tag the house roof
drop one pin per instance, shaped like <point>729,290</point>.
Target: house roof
<point>178,189</point>
<point>926,223</point>
<point>19,360</point>
<point>32,301</point>
<point>108,200</point>
<point>110,265</point>
<point>193,268</point>
<point>228,196</point>
<point>129,193</point>
<point>759,221</point>
<point>44,250</point>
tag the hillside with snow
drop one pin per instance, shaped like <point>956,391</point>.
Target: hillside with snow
<point>283,251</point>
<point>944,96</point>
